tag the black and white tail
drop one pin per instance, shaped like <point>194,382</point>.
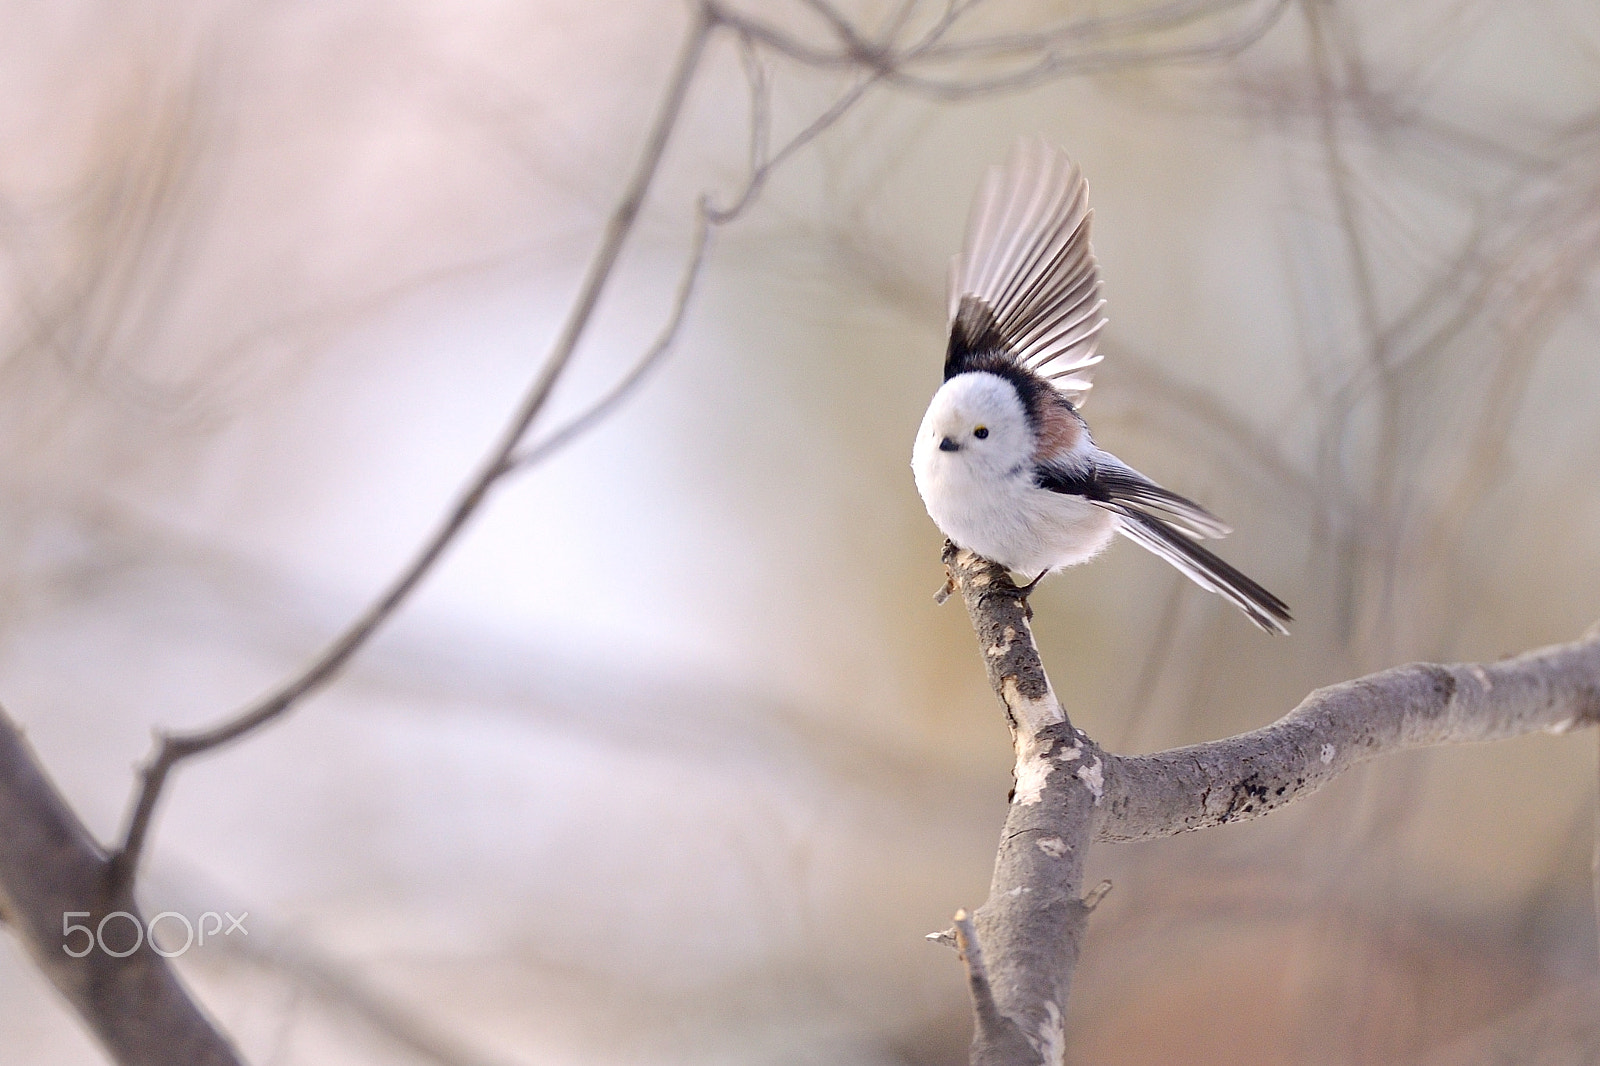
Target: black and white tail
<point>1204,568</point>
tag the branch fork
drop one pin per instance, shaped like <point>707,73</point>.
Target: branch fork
<point>1021,947</point>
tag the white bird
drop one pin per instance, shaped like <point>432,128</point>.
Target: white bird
<point>1003,460</point>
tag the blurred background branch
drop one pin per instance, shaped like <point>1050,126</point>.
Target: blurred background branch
<point>51,872</point>
<point>501,461</point>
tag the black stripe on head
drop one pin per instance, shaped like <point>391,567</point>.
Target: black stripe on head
<point>976,346</point>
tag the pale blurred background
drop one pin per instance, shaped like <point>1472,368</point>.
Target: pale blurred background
<point>675,760</point>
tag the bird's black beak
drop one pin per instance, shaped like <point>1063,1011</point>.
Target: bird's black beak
<point>948,445</point>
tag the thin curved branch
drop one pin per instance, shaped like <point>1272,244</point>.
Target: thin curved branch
<point>856,45</point>
<point>759,81</point>
<point>1048,60</point>
<point>785,44</point>
<point>1143,21</point>
<point>758,177</point>
<point>597,411</point>
<point>175,747</point>
<point>1051,65</point>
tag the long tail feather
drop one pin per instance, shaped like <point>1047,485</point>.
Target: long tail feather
<point>1205,569</point>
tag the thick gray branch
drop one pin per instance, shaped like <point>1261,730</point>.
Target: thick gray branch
<point>1551,690</point>
<point>49,866</point>
<point>1022,945</point>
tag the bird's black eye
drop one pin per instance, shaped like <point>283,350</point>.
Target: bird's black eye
<point>981,432</point>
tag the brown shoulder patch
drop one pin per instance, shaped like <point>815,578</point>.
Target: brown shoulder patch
<point>1058,426</point>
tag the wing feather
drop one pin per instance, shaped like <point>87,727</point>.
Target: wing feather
<point>1124,484</point>
<point>1027,260</point>
<point>1102,478</point>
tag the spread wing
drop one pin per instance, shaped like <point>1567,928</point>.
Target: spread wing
<point>1026,285</point>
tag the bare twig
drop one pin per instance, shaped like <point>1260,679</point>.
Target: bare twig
<point>597,411</point>
<point>175,747</point>
<point>1135,22</point>
<point>759,80</point>
<point>758,177</point>
<point>1052,65</point>
<point>995,1037</point>
<point>708,218</point>
<point>1047,55</point>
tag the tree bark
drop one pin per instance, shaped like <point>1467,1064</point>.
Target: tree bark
<point>1021,947</point>
<point>49,866</point>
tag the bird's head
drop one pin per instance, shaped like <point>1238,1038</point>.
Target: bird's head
<point>976,420</point>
